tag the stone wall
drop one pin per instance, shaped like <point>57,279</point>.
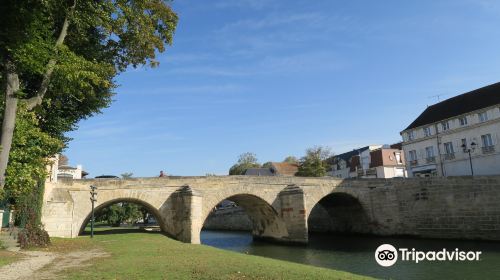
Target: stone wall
<point>453,207</point>
<point>228,219</point>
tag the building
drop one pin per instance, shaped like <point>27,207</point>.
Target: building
<point>66,171</point>
<point>374,161</point>
<point>58,168</point>
<point>456,137</point>
<point>258,172</point>
<point>284,168</point>
<point>341,164</point>
<point>386,162</point>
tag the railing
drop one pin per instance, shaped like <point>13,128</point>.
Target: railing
<point>488,149</point>
<point>449,156</point>
<point>430,159</point>
<point>413,162</point>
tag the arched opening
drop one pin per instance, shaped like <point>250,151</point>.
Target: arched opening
<point>338,213</point>
<point>239,220</point>
<point>123,215</point>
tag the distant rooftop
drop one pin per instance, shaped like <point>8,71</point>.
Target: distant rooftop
<point>285,168</point>
<point>259,172</point>
<point>459,105</point>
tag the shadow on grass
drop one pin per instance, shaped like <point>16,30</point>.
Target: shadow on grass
<point>107,231</point>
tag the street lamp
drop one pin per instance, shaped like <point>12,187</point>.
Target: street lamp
<point>469,151</point>
<point>93,199</point>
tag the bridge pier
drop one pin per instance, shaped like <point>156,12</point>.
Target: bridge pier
<point>185,213</point>
<point>293,213</point>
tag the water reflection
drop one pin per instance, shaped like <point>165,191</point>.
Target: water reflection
<point>356,254</point>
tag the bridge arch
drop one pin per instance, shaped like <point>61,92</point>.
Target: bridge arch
<point>266,221</point>
<point>338,212</point>
<point>151,209</point>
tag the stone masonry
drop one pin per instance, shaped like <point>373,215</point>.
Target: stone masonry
<point>279,207</point>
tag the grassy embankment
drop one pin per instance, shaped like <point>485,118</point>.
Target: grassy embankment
<point>154,256</point>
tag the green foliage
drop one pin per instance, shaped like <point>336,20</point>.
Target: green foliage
<point>291,159</point>
<point>119,213</point>
<point>312,164</point>
<point>31,148</point>
<point>33,235</point>
<point>245,161</point>
<point>267,165</point>
<point>28,218</point>
<point>127,175</point>
<point>103,39</point>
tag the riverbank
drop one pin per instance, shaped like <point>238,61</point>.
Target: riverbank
<point>144,255</point>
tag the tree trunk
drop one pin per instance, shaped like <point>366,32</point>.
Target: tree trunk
<point>9,119</point>
<point>9,122</point>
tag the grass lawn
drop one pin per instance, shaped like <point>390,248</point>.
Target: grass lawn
<point>7,257</point>
<point>154,256</point>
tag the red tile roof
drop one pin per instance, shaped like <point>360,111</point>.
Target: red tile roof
<point>285,168</point>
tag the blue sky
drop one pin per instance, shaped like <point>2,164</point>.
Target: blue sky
<point>275,77</point>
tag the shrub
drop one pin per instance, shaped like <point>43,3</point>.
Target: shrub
<point>33,235</point>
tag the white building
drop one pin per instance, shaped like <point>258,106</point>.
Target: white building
<point>58,168</point>
<point>438,142</point>
<point>66,171</point>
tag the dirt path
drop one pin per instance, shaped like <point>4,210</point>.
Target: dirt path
<point>46,265</point>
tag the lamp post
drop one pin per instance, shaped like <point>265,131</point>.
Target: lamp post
<point>93,199</point>
<point>469,151</point>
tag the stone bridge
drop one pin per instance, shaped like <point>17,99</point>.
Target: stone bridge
<point>280,207</point>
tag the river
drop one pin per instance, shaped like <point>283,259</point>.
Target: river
<point>356,254</point>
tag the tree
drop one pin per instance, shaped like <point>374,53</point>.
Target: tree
<point>59,58</point>
<point>312,164</point>
<point>127,175</point>
<point>291,159</point>
<point>63,160</point>
<point>119,213</point>
<point>267,165</point>
<point>29,155</point>
<point>245,161</point>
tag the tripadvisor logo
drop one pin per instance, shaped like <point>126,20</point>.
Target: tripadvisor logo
<point>387,255</point>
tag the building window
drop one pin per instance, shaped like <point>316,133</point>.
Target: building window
<point>463,121</point>
<point>411,135</point>
<point>483,116</point>
<point>488,146</point>
<point>427,131</point>
<point>398,158</point>
<point>487,140</point>
<point>445,126</point>
<point>448,147</point>
<point>412,155</point>
<point>449,152</point>
<point>464,143</point>
<point>429,152</point>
